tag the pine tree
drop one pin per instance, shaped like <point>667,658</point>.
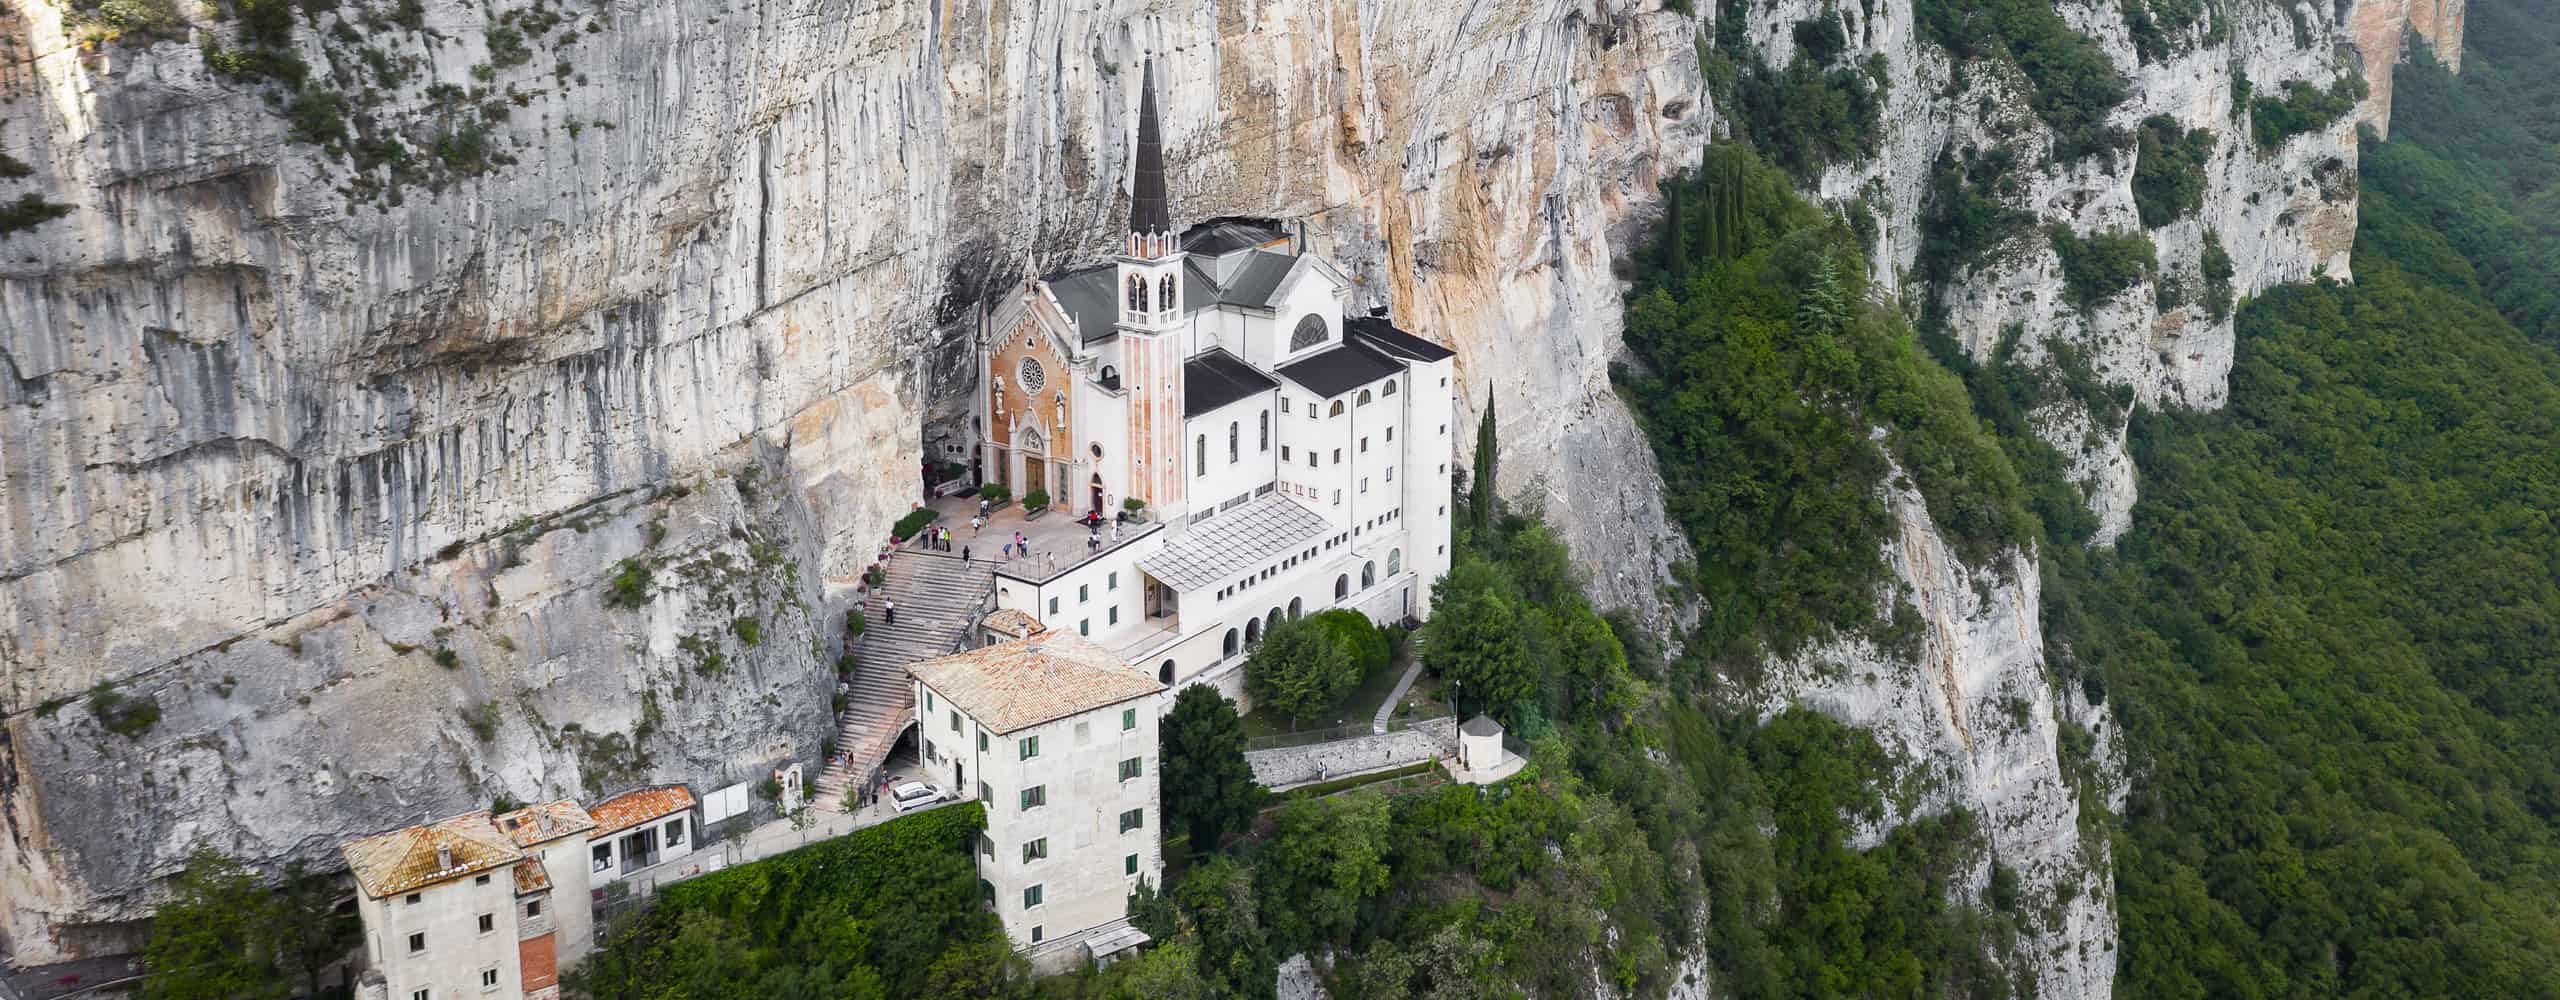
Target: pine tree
<point>1480,487</point>
<point>1208,788</point>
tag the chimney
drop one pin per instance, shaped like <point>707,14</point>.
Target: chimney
<point>444,858</point>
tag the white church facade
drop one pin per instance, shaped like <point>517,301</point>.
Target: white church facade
<point>1287,457</point>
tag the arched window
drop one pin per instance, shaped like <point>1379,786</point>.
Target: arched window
<point>1164,674</point>
<point>1368,575</point>
<point>1272,620</point>
<point>1232,453</point>
<point>1137,293</point>
<point>1164,293</point>
<point>1337,409</point>
<point>1395,561</point>
<point>1309,333</point>
<point>1266,430</point>
<point>1296,607</point>
<point>1110,377</point>
<point>1390,390</point>
<point>1364,397</point>
<point>1230,643</point>
<point>1253,631</point>
<point>1341,587</point>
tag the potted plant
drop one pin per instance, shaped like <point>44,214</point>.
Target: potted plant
<point>1133,509</point>
<point>1035,503</point>
<point>996,495</point>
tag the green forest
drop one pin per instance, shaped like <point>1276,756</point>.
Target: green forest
<point>2329,636</point>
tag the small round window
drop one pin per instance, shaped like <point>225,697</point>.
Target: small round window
<point>1097,449</point>
<point>1033,377</point>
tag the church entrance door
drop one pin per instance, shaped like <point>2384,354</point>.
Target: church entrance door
<point>1097,494</point>
<point>1035,475</point>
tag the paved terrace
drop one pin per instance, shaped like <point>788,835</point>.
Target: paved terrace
<point>939,597</point>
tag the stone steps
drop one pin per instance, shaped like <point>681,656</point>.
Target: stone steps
<point>938,599</point>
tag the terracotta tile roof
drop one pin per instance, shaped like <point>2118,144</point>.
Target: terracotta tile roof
<point>544,822</point>
<point>1013,622</point>
<point>530,878</point>
<point>388,864</point>
<point>630,809</point>
<point>1021,683</point>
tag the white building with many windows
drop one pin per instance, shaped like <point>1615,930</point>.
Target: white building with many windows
<point>1296,458</point>
<point>1058,737</point>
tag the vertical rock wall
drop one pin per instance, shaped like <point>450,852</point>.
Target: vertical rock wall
<point>275,439</point>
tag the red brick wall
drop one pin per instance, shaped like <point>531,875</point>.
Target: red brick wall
<point>541,962</point>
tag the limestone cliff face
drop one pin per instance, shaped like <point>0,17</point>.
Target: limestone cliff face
<point>341,468</point>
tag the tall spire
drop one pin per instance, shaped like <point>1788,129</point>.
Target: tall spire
<point>1148,213</point>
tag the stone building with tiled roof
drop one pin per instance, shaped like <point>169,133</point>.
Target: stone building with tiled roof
<point>439,907</point>
<point>1296,451</point>
<point>1058,737</point>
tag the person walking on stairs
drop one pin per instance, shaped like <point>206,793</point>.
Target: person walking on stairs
<point>889,613</point>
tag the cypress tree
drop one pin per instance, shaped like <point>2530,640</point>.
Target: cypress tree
<point>1675,242</point>
<point>1480,491</point>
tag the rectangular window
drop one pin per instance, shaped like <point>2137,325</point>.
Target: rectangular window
<point>1391,433</point>
<point>489,979</point>
<point>982,741</point>
<point>1114,618</point>
<point>1031,897</point>
<point>928,699</point>
<point>1284,406</point>
<point>675,833</point>
<point>1035,796</point>
<point>417,942</point>
<point>1129,768</point>
<point>1035,850</point>
<point>1284,453</point>
<point>1391,473</point>
<point>1028,748</point>
<point>1112,581</point>
<point>1337,456</point>
<point>1053,605</point>
<point>1364,484</point>
<point>419,995</point>
<point>1084,626</point>
<point>1311,458</point>
<point>1364,446</point>
<point>955,720</point>
<point>1133,819</point>
<point>482,880</point>
<point>1084,593</point>
<point>1129,865</point>
<point>533,909</point>
<point>986,792</point>
<point>1128,719</point>
<point>1337,498</point>
<point>1035,934</point>
<point>601,858</point>
<point>412,900</point>
<point>488,923</point>
<point>987,846</point>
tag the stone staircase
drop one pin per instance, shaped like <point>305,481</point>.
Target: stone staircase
<point>939,599</point>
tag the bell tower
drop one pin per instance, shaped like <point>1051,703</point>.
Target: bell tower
<point>1151,321</point>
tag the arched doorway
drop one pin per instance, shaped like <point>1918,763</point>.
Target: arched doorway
<point>1032,451</point>
<point>1164,674</point>
<point>1296,606</point>
<point>1096,488</point>
<point>1252,631</point>
<point>1229,647</point>
<point>1368,575</point>
<point>1341,586</point>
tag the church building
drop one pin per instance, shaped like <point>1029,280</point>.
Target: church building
<point>1284,456</point>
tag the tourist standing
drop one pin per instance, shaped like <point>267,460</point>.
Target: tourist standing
<point>889,613</point>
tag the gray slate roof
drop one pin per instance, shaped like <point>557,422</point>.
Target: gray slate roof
<point>1339,370</point>
<point>1215,378</point>
<point>1222,548</point>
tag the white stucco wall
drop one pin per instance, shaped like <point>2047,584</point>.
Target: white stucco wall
<point>457,951</point>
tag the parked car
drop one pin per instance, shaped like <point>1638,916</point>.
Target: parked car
<point>914,795</point>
